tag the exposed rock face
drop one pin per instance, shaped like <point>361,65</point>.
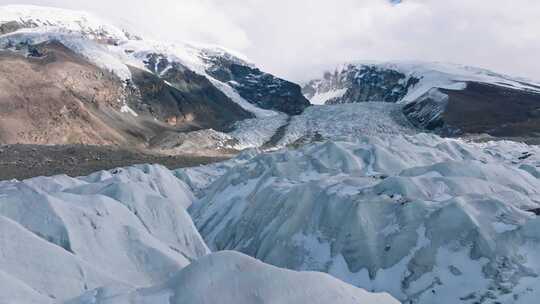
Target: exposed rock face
<point>262,89</point>
<point>9,27</point>
<point>361,83</point>
<point>479,109</point>
<point>427,111</point>
<point>175,94</point>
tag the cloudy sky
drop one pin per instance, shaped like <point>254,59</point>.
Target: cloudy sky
<point>298,39</point>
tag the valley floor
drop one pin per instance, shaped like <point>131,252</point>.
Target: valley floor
<point>26,161</point>
<point>208,146</point>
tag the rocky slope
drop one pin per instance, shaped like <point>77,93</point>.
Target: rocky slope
<point>449,99</point>
<point>257,87</point>
<point>479,109</point>
<point>55,96</point>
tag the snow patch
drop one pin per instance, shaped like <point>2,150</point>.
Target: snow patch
<point>322,97</point>
<point>126,109</point>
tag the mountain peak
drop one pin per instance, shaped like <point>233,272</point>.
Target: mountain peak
<point>31,16</point>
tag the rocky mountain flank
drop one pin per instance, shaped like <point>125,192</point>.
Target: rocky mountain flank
<point>259,88</point>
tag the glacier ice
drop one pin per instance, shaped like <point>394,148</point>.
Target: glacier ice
<point>231,277</point>
<point>124,236</point>
<point>424,218</point>
<point>61,236</point>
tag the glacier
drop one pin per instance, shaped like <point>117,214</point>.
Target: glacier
<point>231,277</point>
<point>424,218</point>
<point>61,236</point>
<point>124,236</point>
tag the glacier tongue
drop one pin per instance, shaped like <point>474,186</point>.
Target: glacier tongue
<point>346,121</point>
<point>424,218</point>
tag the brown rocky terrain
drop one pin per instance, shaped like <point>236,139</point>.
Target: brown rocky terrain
<point>25,161</point>
<point>54,96</point>
<point>60,114</point>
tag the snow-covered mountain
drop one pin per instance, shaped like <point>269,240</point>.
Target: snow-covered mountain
<point>401,81</point>
<point>129,89</point>
<point>449,98</point>
<point>15,17</point>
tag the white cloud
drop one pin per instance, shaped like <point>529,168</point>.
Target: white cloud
<point>298,38</point>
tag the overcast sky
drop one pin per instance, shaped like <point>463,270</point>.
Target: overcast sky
<point>298,39</point>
